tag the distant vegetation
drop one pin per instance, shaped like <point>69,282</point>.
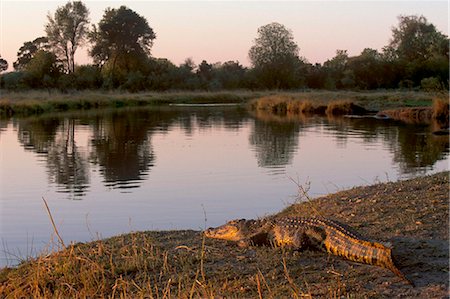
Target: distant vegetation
<point>417,57</point>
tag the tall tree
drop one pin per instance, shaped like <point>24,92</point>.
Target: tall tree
<point>28,50</point>
<point>122,38</point>
<point>420,49</point>
<point>67,30</point>
<point>274,56</point>
<point>415,38</point>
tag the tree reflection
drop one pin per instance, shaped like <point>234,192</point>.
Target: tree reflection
<point>414,149</point>
<point>274,142</point>
<point>55,139</point>
<point>67,165</point>
<point>413,146</point>
<point>122,148</point>
<point>118,142</point>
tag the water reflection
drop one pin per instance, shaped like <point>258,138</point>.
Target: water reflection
<point>121,146</point>
<point>118,143</point>
<point>274,142</point>
<point>414,148</point>
<point>54,140</point>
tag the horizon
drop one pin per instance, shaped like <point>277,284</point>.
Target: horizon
<point>220,31</point>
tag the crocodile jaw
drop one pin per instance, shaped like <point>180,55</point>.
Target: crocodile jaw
<point>225,232</point>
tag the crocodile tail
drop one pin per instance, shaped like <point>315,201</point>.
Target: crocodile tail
<point>397,271</point>
<point>388,262</point>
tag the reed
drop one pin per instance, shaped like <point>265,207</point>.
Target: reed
<point>440,112</point>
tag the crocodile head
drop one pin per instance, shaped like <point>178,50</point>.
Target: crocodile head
<point>234,230</point>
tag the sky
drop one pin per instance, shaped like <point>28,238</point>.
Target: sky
<point>219,31</point>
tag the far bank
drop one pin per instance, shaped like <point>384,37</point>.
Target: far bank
<point>35,102</point>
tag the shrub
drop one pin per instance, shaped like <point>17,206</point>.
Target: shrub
<point>13,80</point>
<point>430,84</point>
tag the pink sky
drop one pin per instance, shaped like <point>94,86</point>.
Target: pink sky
<point>225,30</point>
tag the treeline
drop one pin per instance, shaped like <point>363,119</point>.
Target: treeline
<point>417,57</point>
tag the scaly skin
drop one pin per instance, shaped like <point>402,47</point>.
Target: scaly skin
<point>315,233</point>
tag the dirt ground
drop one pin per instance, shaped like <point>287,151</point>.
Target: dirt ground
<point>412,215</point>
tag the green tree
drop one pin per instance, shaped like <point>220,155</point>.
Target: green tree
<point>336,68</point>
<point>87,77</point>
<point>42,70</point>
<point>420,50</point>
<point>121,42</point>
<point>316,76</point>
<point>230,74</point>
<point>367,69</point>
<point>162,74</point>
<point>3,64</point>
<point>28,50</point>
<point>416,39</point>
<point>274,56</point>
<point>205,74</point>
<point>67,30</point>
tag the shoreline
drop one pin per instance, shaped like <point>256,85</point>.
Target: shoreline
<point>35,102</point>
<point>411,214</point>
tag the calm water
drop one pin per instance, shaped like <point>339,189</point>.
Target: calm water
<point>107,173</point>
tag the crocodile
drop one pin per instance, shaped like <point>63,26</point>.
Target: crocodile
<point>316,233</point>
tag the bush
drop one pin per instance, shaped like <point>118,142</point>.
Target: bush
<point>430,84</point>
<point>88,77</point>
<point>13,80</point>
<point>135,82</point>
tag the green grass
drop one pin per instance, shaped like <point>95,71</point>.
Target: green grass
<point>37,102</point>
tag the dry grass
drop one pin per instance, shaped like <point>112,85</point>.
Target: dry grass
<point>150,265</point>
<point>437,114</point>
<point>131,266</point>
<point>411,115</point>
<point>286,105</point>
<point>409,107</point>
<point>440,112</point>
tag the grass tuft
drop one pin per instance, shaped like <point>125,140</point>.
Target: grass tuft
<point>440,112</point>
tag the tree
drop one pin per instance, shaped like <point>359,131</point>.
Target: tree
<point>336,69</point>
<point>420,49</point>
<point>205,74</point>
<point>67,30</point>
<point>121,42</point>
<point>42,70</point>
<point>415,38</point>
<point>3,64</point>
<point>28,50</point>
<point>230,74</point>
<point>274,56</point>
<point>367,69</point>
